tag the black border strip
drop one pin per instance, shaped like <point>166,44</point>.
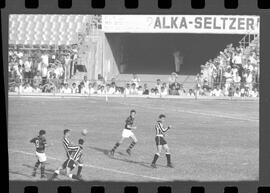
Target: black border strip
<point>215,7</point>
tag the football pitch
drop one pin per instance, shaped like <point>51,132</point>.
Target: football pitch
<point>211,140</point>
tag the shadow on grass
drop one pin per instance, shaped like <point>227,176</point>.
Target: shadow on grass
<point>20,173</point>
<point>32,167</point>
<point>106,152</point>
<point>48,172</point>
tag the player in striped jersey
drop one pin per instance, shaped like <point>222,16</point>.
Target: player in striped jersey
<point>127,133</point>
<point>74,160</point>
<point>161,142</point>
<point>69,147</point>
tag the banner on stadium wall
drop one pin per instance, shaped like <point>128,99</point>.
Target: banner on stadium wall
<point>210,24</point>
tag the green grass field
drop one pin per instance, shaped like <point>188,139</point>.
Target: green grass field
<point>212,140</point>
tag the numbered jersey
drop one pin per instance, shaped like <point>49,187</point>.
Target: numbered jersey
<point>129,122</point>
<point>40,143</point>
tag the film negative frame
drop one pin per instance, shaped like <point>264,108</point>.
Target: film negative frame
<point>180,7</point>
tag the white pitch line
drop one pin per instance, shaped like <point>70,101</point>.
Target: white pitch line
<point>195,112</point>
<point>96,167</point>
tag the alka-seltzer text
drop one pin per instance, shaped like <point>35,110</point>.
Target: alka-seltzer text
<point>206,22</point>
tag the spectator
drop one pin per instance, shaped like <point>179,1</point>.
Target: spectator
<point>237,80</point>
<point>191,93</point>
<point>158,85</point>
<point>135,80</point>
<point>237,93</point>
<point>112,88</point>
<point>248,79</point>
<point>152,92</point>
<point>65,89</point>
<point>85,81</point>
<point>242,92</point>
<point>145,90</point>
<point>74,88</point>
<point>173,91</point>
<point>172,78</point>
<point>27,69</point>
<point>127,89</point>
<point>254,93</point>
<point>45,58</point>
<point>163,91</point>
<point>27,88</point>
<point>44,72</point>
<point>216,91</point>
<point>101,90</point>
<point>37,80</point>
<point>133,90</point>
<point>140,90</point>
<point>100,80</point>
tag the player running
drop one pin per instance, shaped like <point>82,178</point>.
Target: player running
<point>69,148</point>
<point>161,142</point>
<point>127,133</point>
<point>73,161</point>
<point>40,144</point>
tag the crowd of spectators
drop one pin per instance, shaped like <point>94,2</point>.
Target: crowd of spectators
<point>102,87</point>
<point>234,72</point>
<point>132,87</point>
<point>41,68</point>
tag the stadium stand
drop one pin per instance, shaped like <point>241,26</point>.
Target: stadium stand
<point>46,53</point>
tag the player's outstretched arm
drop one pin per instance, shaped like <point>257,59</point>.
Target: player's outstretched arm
<point>32,140</point>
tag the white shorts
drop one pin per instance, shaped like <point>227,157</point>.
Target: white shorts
<point>127,133</point>
<point>41,157</point>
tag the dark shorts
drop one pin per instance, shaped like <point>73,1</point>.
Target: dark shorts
<point>160,140</point>
<point>69,163</point>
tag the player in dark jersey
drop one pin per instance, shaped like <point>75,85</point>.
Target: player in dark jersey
<point>127,133</point>
<point>40,144</point>
<point>73,161</point>
<point>161,142</point>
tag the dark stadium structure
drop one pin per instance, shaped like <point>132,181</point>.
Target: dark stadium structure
<point>152,53</point>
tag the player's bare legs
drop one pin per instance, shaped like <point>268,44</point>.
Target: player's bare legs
<point>168,155</point>
<point>133,143</point>
<point>159,148</point>
<point>116,146</point>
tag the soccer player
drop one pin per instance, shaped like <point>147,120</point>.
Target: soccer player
<point>161,142</point>
<point>40,144</point>
<point>127,133</point>
<point>69,147</point>
<point>73,161</point>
